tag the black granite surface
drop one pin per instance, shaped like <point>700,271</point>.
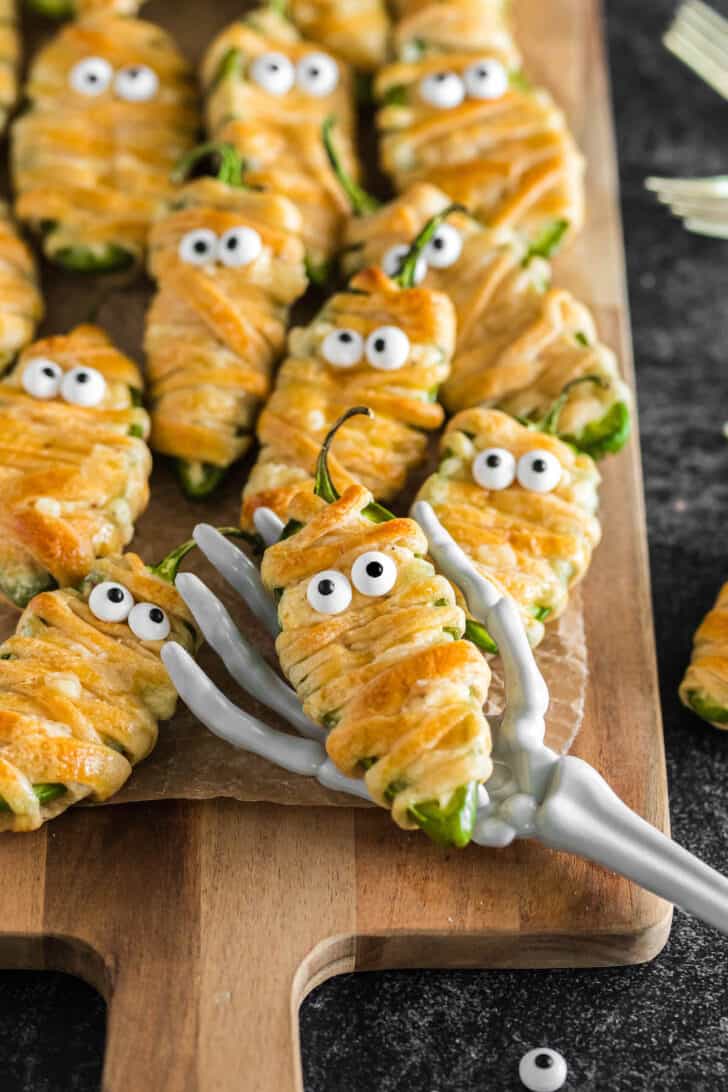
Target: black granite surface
<point>658,1027</point>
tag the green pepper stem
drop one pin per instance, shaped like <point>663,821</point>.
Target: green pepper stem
<point>323,485</point>
<point>361,202</point>
<point>406,276</point>
<point>548,242</point>
<point>479,636</point>
<point>168,567</point>
<point>231,166</point>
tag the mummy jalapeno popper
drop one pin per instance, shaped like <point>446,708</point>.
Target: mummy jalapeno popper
<point>522,506</point>
<point>82,687</point>
<point>9,58</point>
<point>464,121</point>
<point>705,686</point>
<point>268,93</point>
<point>113,107</point>
<point>228,261</point>
<point>74,463</point>
<point>21,304</point>
<point>371,640</point>
<point>355,30</point>
<point>523,345</point>
<point>375,343</point>
<point>425,28</point>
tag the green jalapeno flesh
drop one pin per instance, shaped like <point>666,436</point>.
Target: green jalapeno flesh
<point>451,825</point>
<point>45,793</point>
<point>80,259</point>
<point>706,708</point>
<point>198,480</point>
<point>361,202</point>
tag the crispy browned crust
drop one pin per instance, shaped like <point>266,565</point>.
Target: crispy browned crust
<point>310,395</point>
<point>80,698</point>
<point>9,58</point>
<point>389,673</point>
<point>355,30</point>
<point>66,469</point>
<point>534,546</point>
<point>214,333</point>
<point>21,304</point>
<point>67,159</point>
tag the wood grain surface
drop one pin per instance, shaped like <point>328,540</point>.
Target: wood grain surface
<point>205,923</point>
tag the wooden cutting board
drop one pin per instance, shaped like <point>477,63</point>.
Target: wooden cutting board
<point>205,924</point>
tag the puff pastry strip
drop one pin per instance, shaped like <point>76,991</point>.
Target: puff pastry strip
<point>425,28</point>
<point>113,108</point>
<point>9,58</point>
<point>705,686</point>
<point>79,9</point>
<point>509,159</point>
<point>533,545</point>
<point>278,133</point>
<point>21,304</point>
<point>355,30</point>
<point>311,393</point>
<point>80,697</point>
<point>73,478</point>
<point>389,675</point>
<point>520,340</point>
<point>215,327</point>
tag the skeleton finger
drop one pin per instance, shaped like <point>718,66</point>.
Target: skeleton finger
<point>240,573</point>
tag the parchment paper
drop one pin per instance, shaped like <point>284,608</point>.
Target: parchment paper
<point>188,761</point>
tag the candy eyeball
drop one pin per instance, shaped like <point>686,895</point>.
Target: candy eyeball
<point>374,573</point>
<point>343,348</point>
<point>136,83</point>
<point>110,602</point>
<point>42,378</point>
<point>444,90</point>
<point>317,74</point>
<point>149,622</point>
<point>542,1070</point>
<point>91,76</point>
<point>83,386</point>
<point>539,471</point>
<point>329,592</point>
<point>394,259</point>
<point>198,247</point>
<point>387,348</point>
<point>273,72</point>
<point>239,246</point>
<point>494,468</point>
<point>445,247</point>
<point>486,79</point>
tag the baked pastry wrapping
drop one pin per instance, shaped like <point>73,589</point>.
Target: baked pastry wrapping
<point>375,343</point>
<point>705,686</point>
<point>522,505</point>
<point>74,463</point>
<point>82,687</point>
<point>9,58</point>
<point>521,342</point>
<point>78,9</point>
<point>268,93</point>
<point>228,262</point>
<point>355,30</point>
<point>113,107</point>
<point>21,303</point>
<point>466,122</point>
<point>429,27</point>
<point>371,640</point>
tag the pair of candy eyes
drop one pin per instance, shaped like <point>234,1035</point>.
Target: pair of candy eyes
<point>442,251</point>
<point>316,74</point>
<point>112,602</point>
<point>373,574</point>
<point>486,79</point>
<point>43,378</point>
<point>237,247</point>
<point>386,348</point>
<point>496,468</point>
<point>94,75</point>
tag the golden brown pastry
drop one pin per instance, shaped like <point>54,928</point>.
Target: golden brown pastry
<point>74,463</point>
<point>268,94</point>
<point>21,304</point>
<point>424,28</point>
<point>465,122</point>
<point>521,342</point>
<point>355,30</point>
<point>9,58</point>
<point>113,107</point>
<point>228,261</point>
<point>82,687</point>
<point>705,686</point>
<point>522,505</point>
<point>374,344</point>
<point>371,640</point>
<point>77,9</point>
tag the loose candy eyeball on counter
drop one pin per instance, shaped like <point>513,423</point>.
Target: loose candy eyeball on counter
<point>542,1070</point>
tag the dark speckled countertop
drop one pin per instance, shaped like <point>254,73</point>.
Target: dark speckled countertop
<point>661,1026</point>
